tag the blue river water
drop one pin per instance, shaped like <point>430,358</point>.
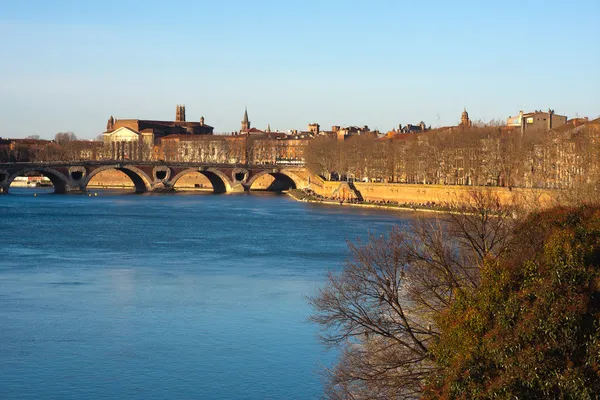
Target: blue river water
<point>167,296</point>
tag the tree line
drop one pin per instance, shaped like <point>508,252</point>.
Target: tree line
<point>478,156</point>
<point>64,147</point>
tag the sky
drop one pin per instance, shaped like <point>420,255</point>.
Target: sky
<point>67,65</point>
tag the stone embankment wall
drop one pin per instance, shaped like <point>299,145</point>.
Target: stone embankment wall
<point>422,194</point>
<point>444,193</point>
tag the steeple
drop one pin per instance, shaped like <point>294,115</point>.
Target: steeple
<point>268,128</point>
<point>110,125</point>
<point>245,122</point>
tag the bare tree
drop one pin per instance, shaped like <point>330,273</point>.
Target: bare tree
<point>64,137</point>
<point>322,156</point>
<point>382,308</point>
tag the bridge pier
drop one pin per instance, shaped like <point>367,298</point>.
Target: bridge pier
<point>162,187</point>
<point>69,188</point>
<point>238,188</point>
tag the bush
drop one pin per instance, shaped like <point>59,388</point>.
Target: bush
<point>532,328</point>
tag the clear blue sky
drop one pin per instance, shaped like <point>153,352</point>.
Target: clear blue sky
<point>67,65</point>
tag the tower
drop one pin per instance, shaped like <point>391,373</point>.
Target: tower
<point>180,113</point>
<point>314,128</point>
<point>464,119</point>
<point>201,121</point>
<point>245,122</point>
<point>110,125</point>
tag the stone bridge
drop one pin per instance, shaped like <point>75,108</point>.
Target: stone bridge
<point>74,176</point>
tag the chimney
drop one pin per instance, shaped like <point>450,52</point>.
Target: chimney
<point>550,115</point>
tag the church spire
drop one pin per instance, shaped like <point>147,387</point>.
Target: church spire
<point>245,122</point>
<point>110,125</point>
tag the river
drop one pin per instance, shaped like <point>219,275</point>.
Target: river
<point>167,296</point>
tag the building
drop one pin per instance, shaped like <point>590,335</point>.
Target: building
<point>265,148</point>
<point>410,128</point>
<point>24,150</point>
<point>537,121</point>
<point>465,122</point>
<point>245,122</point>
<point>346,132</point>
<point>197,148</point>
<point>290,148</point>
<point>134,139</point>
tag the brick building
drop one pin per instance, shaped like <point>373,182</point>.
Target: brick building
<point>135,138</point>
<point>537,121</point>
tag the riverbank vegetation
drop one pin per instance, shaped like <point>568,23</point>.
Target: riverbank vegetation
<point>476,156</point>
<point>480,303</point>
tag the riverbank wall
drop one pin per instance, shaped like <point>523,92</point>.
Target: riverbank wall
<point>402,193</point>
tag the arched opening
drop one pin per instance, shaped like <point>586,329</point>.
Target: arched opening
<point>76,175</point>
<point>193,181</point>
<point>118,178</point>
<point>272,182</point>
<point>216,181</point>
<point>39,178</point>
<point>161,174</point>
<point>212,178</point>
<point>239,176</point>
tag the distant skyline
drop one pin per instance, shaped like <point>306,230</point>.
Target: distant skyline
<point>68,65</point>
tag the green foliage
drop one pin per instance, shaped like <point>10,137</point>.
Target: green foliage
<point>532,328</point>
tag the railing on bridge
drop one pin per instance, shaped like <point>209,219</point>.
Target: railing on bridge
<point>149,163</point>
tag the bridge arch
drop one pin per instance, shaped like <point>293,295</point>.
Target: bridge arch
<point>140,179</point>
<point>60,182</point>
<point>218,180</point>
<point>284,180</point>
